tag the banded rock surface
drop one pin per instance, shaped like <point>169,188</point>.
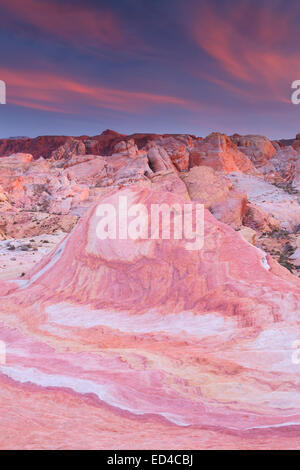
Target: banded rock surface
<point>145,344</point>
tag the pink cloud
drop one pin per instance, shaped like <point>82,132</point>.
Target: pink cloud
<point>247,44</point>
<point>75,24</point>
<point>54,92</point>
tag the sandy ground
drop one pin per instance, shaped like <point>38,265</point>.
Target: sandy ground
<point>17,256</point>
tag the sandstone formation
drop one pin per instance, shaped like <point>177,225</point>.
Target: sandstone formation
<point>144,343</point>
<point>218,152</point>
<point>258,148</point>
<point>195,345</point>
<point>216,192</point>
<point>274,201</point>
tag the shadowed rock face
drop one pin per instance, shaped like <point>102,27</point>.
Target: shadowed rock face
<point>124,332</point>
<point>45,146</point>
<point>295,143</point>
<point>258,148</point>
<point>40,146</point>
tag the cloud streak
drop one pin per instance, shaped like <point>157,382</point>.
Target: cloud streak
<point>72,23</point>
<point>254,61</point>
<point>58,93</point>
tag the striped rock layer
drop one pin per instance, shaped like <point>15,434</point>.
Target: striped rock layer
<point>145,344</point>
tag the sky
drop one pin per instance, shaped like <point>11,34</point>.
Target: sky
<point>164,66</point>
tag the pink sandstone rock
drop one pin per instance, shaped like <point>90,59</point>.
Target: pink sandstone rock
<point>88,172</point>
<point>60,185</point>
<point>218,152</point>
<point>232,210</point>
<point>70,147</point>
<point>126,148</point>
<point>296,179</point>
<point>101,144</point>
<point>145,344</point>
<point>282,169</point>
<point>178,149</point>
<point>258,148</point>
<point>41,146</point>
<point>4,204</point>
<point>169,181</point>
<point>248,234</point>
<point>296,143</point>
<point>215,191</point>
<point>117,315</point>
<point>259,220</point>
<point>28,224</point>
<point>132,170</point>
<point>273,201</point>
<point>158,158</point>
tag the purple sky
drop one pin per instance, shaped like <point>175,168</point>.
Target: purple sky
<point>189,66</point>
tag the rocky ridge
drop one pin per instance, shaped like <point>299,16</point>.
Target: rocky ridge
<point>142,343</point>
<point>245,181</point>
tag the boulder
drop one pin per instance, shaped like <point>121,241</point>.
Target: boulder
<point>257,147</point>
<point>70,147</point>
<point>218,152</point>
<point>158,158</point>
<point>248,234</point>
<point>258,220</point>
<point>177,149</point>
<point>126,148</point>
<point>215,191</point>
